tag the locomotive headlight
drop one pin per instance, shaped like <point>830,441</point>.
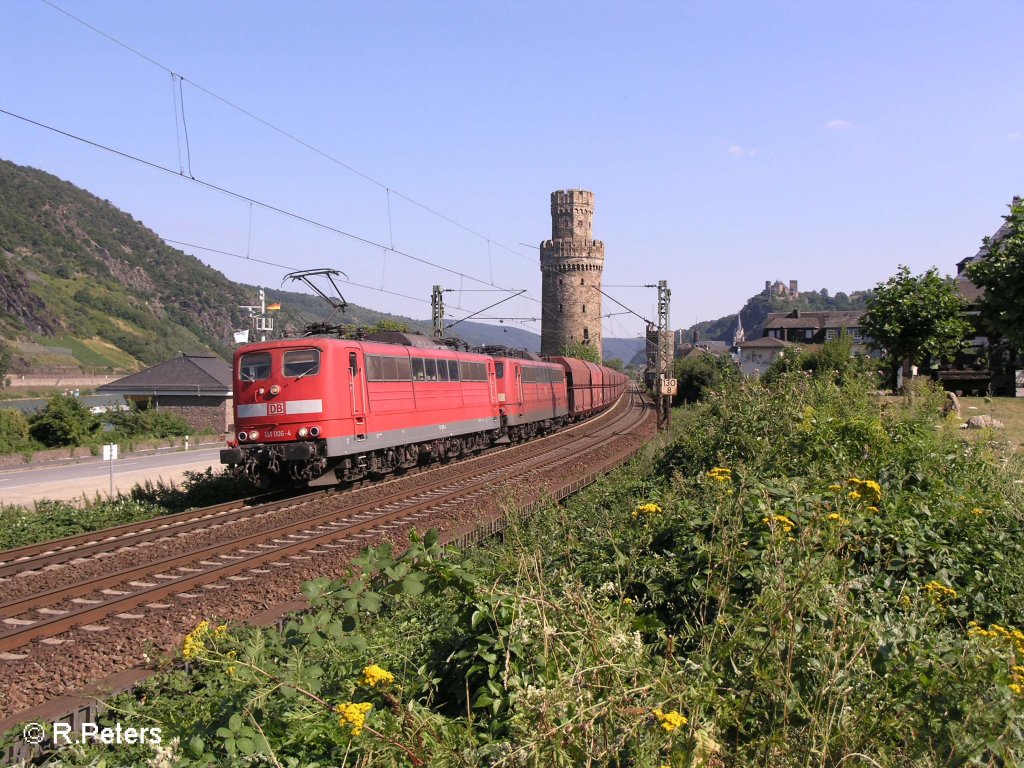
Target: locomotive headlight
<point>314,431</point>
<point>243,436</point>
<point>303,431</point>
<point>275,389</point>
<point>254,435</point>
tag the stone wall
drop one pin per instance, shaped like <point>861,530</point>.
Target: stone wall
<point>204,413</point>
<point>26,381</point>
<point>571,266</point>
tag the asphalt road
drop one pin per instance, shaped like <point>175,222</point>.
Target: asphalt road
<point>24,486</point>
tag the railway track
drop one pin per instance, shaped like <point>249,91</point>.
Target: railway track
<point>127,595</point>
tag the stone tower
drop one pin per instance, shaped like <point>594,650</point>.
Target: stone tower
<point>571,263</point>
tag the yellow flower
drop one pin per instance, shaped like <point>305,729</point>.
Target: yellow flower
<point>627,601</point>
<point>939,592</point>
<point>374,676</point>
<point>977,511</point>
<point>194,644</point>
<point>835,487</point>
<point>670,721</point>
<point>720,474</point>
<point>353,715</point>
<point>873,489</point>
<point>1016,688</point>
<point>220,631</point>
<point>853,495</point>
<point>780,521</point>
<point>872,509</point>
<point>650,508</point>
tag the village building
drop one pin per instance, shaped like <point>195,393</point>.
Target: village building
<point>195,387</point>
<point>987,364</point>
<point>756,356</point>
<point>801,326</point>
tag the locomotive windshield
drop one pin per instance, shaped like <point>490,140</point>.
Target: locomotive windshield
<point>254,366</point>
<point>302,362</point>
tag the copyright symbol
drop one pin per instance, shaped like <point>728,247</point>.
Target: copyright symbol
<point>33,733</point>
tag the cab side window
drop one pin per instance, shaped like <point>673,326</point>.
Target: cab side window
<point>254,366</point>
<point>302,362</point>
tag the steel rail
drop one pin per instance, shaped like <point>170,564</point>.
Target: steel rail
<point>537,454</point>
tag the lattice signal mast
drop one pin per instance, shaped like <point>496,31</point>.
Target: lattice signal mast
<point>259,320</point>
<point>437,311</point>
<point>663,372</point>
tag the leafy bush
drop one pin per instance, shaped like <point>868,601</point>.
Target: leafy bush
<point>64,421</point>
<point>833,360</point>
<point>147,422</point>
<point>700,374</point>
<point>804,577</point>
<point>14,435</point>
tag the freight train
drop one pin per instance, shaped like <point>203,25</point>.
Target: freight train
<point>321,411</point>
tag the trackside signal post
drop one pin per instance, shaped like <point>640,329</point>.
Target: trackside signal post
<point>259,320</point>
<point>437,311</point>
<point>664,384</point>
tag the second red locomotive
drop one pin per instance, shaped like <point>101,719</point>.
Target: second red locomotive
<point>321,410</point>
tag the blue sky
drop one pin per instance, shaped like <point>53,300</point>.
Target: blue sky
<point>726,143</point>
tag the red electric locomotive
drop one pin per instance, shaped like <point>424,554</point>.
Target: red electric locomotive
<point>320,410</point>
<point>532,394</point>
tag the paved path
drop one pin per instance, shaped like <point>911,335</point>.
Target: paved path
<point>69,482</point>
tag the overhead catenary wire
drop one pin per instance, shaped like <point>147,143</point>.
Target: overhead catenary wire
<point>179,100</point>
<point>322,153</point>
<point>248,199</point>
<point>281,131</point>
<point>290,268</point>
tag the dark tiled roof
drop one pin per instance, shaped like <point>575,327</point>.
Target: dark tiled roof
<point>188,374</point>
<point>818,320</point>
<point>1000,233</point>
<point>968,290</point>
<point>964,286</point>
<point>704,347</point>
<point>766,342</point>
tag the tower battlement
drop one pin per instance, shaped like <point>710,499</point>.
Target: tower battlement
<point>571,266</point>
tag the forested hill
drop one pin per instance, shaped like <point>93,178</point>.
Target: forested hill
<point>86,287</point>
<point>755,312</point>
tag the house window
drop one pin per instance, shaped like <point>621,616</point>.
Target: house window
<point>808,334</point>
<point>584,309</point>
<point>830,334</point>
<point>857,335</point>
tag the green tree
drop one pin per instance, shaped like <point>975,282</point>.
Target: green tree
<point>64,421</point>
<point>614,364</point>
<point>915,318</point>
<point>834,360</point>
<point>386,324</point>
<point>13,431</point>
<point>700,374</point>
<point>1001,275</point>
<point>148,422</point>
<point>580,351</point>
